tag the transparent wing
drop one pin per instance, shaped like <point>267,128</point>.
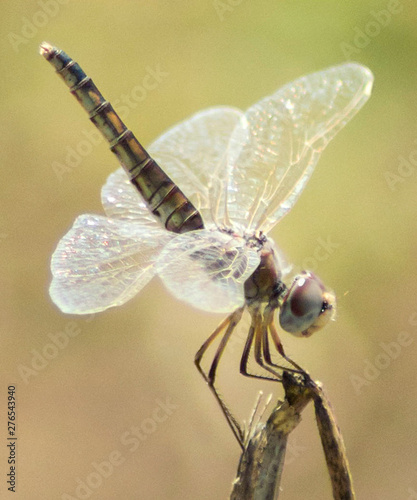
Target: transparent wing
<point>272,153</point>
<point>121,200</point>
<point>192,151</point>
<point>207,269</point>
<point>189,153</point>
<point>102,263</point>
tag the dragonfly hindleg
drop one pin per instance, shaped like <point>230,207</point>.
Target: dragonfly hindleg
<point>225,328</point>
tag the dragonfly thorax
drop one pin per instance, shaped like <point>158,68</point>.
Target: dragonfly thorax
<point>304,307</point>
<point>265,283</point>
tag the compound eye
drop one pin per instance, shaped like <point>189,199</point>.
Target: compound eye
<point>307,306</point>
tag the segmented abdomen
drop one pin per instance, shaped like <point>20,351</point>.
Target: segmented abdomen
<point>163,197</point>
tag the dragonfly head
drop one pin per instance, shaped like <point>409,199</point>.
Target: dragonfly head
<point>307,306</point>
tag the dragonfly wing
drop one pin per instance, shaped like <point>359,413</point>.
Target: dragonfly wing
<point>121,200</point>
<point>189,153</point>
<point>207,269</point>
<point>273,152</point>
<point>102,263</point>
<point>192,151</point>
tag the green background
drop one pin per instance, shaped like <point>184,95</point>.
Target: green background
<point>75,409</point>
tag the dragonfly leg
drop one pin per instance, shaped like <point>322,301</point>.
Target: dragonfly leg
<point>258,336</point>
<point>280,348</point>
<point>268,358</point>
<point>259,348</point>
<point>200,353</point>
<point>247,350</point>
<point>225,328</point>
<point>265,347</point>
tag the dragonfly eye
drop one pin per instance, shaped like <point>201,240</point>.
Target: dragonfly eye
<point>307,306</point>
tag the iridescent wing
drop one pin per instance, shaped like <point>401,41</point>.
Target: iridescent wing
<point>103,262</point>
<point>190,152</point>
<point>207,269</point>
<point>274,149</point>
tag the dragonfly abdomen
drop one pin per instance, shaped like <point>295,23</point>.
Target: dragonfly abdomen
<point>163,197</point>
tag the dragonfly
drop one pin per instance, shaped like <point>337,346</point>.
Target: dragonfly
<point>196,209</point>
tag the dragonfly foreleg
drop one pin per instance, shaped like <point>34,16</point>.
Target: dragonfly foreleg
<point>271,329</point>
<point>262,326</point>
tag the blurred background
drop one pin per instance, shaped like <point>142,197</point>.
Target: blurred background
<point>118,408</point>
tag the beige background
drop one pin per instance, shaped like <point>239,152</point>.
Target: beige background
<point>79,407</point>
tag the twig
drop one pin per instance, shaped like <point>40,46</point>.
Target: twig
<point>333,447</point>
<point>261,464</point>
